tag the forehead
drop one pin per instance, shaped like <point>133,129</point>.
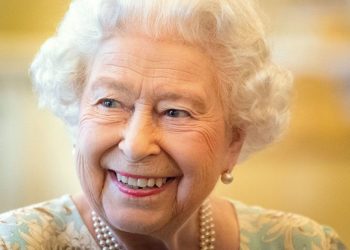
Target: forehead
<point>141,56</point>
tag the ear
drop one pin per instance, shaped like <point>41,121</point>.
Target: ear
<point>237,138</point>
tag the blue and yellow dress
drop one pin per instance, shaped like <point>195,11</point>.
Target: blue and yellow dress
<point>57,224</point>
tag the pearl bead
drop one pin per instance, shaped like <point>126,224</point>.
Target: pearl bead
<point>203,243</point>
<point>207,232</point>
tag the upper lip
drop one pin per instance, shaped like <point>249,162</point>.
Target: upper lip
<point>148,176</point>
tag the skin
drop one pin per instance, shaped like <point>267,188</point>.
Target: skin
<point>151,108</point>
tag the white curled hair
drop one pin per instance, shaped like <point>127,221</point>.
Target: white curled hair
<point>255,92</point>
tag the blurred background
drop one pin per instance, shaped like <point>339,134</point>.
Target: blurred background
<point>307,172</point>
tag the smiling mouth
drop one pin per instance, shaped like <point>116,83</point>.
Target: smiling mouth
<point>142,183</point>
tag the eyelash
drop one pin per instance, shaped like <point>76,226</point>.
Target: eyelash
<point>171,113</point>
<point>104,102</point>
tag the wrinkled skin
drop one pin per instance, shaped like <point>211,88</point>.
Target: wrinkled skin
<point>151,108</point>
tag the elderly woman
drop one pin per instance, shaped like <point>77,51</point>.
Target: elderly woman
<point>163,98</point>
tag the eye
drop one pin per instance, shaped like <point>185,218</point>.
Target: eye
<point>110,103</point>
<point>176,113</point>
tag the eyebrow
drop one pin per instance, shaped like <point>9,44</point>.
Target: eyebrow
<point>110,83</point>
<point>161,93</point>
<point>196,100</point>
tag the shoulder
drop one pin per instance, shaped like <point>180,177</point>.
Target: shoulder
<point>49,225</point>
<point>270,229</point>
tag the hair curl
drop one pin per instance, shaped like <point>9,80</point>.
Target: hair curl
<point>254,90</point>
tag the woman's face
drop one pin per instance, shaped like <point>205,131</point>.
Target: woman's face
<point>152,138</point>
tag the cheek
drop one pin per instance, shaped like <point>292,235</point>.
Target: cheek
<point>94,140</point>
<point>203,144</point>
<point>197,151</point>
<point>96,137</point>
<point>199,169</point>
<point>198,154</point>
<point>91,180</point>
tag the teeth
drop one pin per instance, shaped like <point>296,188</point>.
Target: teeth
<point>141,182</point>
<point>151,182</point>
<point>159,182</point>
<point>132,181</point>
<point>125,179</point>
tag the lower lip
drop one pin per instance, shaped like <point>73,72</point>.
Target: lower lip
<point>137,192</point>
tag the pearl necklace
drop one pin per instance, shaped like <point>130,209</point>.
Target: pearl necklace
<point>104,235</point>
<point>107,241</point>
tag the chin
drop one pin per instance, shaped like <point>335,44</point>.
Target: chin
<point>137,221</point>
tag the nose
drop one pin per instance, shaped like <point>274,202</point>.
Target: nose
<point>139,138</point>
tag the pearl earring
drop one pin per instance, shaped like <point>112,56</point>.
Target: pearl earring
<point>226,177</point>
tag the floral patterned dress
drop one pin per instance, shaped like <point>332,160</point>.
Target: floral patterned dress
<point>57,224</point>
